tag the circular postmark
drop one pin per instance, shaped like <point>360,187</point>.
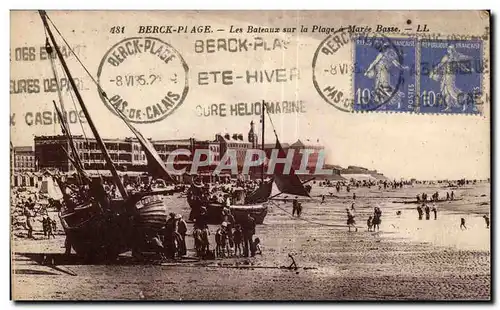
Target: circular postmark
<point>358,71</point>
<point>144,79</point>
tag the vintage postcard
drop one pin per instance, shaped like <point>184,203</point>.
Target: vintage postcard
<point>250,155</point>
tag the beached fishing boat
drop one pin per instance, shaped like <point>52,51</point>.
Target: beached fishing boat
<point>240,210</point>
<point>256,203</point>
<point>96,225</point>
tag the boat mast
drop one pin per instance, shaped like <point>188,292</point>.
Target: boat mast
<point>98,138</point>
<point>263,128</point>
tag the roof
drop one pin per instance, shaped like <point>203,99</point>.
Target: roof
<point>328,166</point>
<point>380,176</point>
<point>23,149</point>
<point>272,145</point>
<point>358,177</point>
<point>173,142</point>
<point>307,143</point>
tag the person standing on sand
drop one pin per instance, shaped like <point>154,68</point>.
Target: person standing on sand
<point>182,230</point>
<point>435,211</point>
<point>295,206</point>
<point>350,220</point>
<point>447,196</point>
<point>322,199</point>
<point>420,212</point>
<point>29,214</point>
<point>427,212</point>
<point>369,223</point>
<point>248,230</point>
<point>462,224</point>
<point>452,195</point>
<point>487,221</point>
<point>169,231</point>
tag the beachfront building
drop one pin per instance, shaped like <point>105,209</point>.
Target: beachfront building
<point>362,174</point>
<point>23,159</point>
<point>128,156</point>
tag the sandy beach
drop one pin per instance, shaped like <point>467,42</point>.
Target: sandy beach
<point>407,259</point>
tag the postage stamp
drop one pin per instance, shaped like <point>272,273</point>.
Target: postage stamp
<point>384,76</point>
<point>137,66</point>
<point>450,76</point>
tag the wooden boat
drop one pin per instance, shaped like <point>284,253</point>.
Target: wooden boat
<point>239,211</point>
<point>429,201</point>
<point>256,203</point>
<point>93,233</point>
<point>99,227</point>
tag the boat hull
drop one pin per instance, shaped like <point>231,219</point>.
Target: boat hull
<point>95,234</point>
<point>103,235</point>
<point>240,212</point>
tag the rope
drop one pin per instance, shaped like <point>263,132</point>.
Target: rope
<point>306,220</point>
<point>103,93</point>
<point>63,109</point>
<point>272,124</point>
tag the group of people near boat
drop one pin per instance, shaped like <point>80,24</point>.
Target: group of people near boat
<point>434,197</point>
<point>232,238</point>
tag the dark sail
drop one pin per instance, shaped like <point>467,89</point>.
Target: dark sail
<point>155,164</point>
<point>287,183</point>
<point>261,194</point>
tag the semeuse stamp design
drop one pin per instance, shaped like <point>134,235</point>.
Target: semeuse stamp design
<point>384,77</point>
<point>450,76</point>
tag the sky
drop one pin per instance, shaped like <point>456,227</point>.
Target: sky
<point>405,145</point>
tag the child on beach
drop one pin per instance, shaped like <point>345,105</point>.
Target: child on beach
<point>257,246</point>
<point>350,220</point>
<point>238,239</point>
<point>462,224</point>
<point>369,223</point>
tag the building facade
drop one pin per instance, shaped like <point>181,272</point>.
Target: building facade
<point>127,154</point>
<point>23,159</point>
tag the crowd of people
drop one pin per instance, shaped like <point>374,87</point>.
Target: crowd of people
<point>27,205</point>
<point>352,183</point>
<point>231,238</point>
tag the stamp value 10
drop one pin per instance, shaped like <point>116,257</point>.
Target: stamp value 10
<point>401,74</point>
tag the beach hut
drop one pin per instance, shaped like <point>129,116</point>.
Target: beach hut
<point>49,187</point>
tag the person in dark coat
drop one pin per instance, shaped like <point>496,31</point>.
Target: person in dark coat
<point>248,229</point>
<point>420,212</point>
<point>170,230</point>
<point>434,209</point>
<point>462,224</point>
<point>228,217</point>
<point>295,207</point>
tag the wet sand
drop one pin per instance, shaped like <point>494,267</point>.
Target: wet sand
<point>407,259</point>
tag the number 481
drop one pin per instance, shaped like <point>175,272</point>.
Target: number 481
<point>117,29</point>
